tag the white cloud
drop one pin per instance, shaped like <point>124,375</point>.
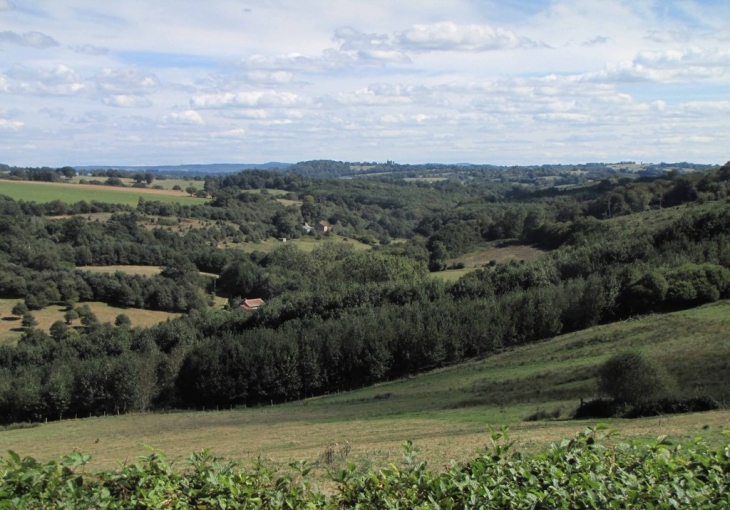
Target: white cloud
<point>6,5</point>
<point>328,60</point>
<point>677,59</point>
<point>10,124</point>
<point>597,41</point>
<point>449,36</point>
<point>230,133</point>
<point>126,101</point>
<point>689,64</point>
<point>127,80</point>
<point>90,49</point>
<point>89,117</point>
<point>61,80</point>
<point>381,94</point>
<point>253,99</point>
<point>272,77</point>
<point>189,117</point>
<point>30,39</point>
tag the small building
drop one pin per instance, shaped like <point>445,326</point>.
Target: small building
<point>322,226</point>
<point>307,228</point>
<point>252,304</point>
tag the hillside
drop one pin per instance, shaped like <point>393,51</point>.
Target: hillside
<point>444,411</point>
<point>352,304</point>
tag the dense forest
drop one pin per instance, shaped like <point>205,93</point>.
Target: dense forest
<point>616,245</point>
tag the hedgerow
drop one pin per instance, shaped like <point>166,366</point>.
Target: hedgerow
<point>584,472</point>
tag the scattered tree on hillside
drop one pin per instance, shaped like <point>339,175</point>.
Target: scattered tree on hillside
<point>58,330</point>
<point>70,316</point>
<point>19,309</point>
<point>29,320</point>
<point>123,320</point>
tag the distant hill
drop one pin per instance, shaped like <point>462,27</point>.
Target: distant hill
<point>213,168</point>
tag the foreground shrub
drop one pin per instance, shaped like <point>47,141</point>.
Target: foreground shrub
<point>576,473</point>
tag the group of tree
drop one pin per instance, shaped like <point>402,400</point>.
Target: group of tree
<point>338,318</point>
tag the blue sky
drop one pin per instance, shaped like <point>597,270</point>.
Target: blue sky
<point>521,82</point>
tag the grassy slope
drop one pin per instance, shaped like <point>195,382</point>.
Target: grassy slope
<point>10,329</point>
<point>72,193</point>
<point>445,411</point>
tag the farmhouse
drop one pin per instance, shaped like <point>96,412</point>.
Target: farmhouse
<point>322,226</point>
<point>252,304</point>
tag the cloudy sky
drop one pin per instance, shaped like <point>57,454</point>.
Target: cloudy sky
<point>503,82</point>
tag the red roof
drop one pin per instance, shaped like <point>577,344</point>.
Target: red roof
<point>252,304</point>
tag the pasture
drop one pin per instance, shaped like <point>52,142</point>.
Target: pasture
<point>11,330</point>
<point>499,253</point>
<point>42,192</point>
<point>139,270</point>
<point>445,412</point>
<point>304,243</point>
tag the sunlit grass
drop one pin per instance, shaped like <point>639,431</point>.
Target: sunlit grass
<point>445,411</point>
<point>72,193</point>
<point>11,330</point>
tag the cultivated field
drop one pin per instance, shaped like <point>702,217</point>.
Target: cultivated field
<point>11,330</point>
<point>71,193</point>
<point>445,411</point>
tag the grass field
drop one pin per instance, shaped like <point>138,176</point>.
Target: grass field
<point>445,411</point>
<point>304,243</point>
<point>451,275</point>
<point>140,270</point>
<point>165,183</point>
<point>71,193</point>
<point>500,253</point>
<point>10,329</point>
<point>480,258</point>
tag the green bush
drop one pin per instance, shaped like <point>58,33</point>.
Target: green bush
<point>631,377</point>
